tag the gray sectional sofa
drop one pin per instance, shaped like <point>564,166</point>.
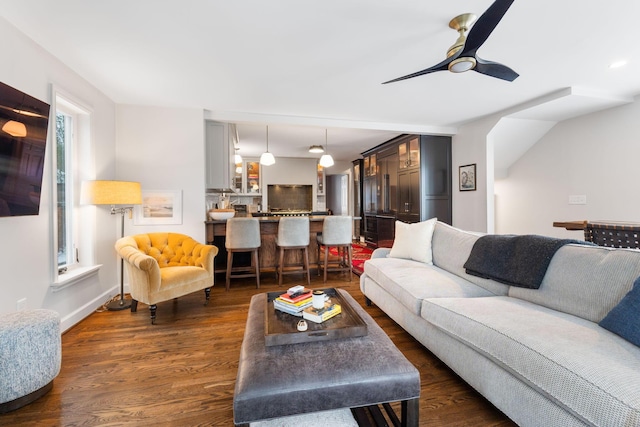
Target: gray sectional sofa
<point>538,355</point>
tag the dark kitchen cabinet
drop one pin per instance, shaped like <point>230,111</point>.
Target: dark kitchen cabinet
<point>357,198</point>
<point>388,181</point>
<point>371,230</point>
<point>409,195</point>
<point>369,197</point>
<point>436,178</point>
<point>409,152</point>
<point>369,201</point>
<point>407,178</point>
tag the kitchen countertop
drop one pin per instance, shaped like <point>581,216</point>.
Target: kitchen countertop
<point>267,218</point>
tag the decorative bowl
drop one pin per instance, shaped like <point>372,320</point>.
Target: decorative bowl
<point>220,214</point>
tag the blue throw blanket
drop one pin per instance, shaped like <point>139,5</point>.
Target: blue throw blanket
<point>514,260</point>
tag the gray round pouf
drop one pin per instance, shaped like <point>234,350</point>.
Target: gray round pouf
<point>30,356</point>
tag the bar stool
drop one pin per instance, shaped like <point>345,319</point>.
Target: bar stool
<point>243,235</point>
<point>293,233</point>
<point>337,231</point>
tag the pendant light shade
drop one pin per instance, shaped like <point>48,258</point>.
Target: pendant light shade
<point>267,158</point>
<point>326,160</point>
<point>14,128</point>
<point>237,158</point>
<point>316,149</point>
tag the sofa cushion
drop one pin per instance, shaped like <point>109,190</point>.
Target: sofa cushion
<point>586,281</point>
<point>451,248</point>
<point>413,241</point>
<point>411,281</point>
<point>584,368</point>
<point>624,319</point>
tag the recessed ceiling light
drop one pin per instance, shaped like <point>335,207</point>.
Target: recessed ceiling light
<point>618,64</point>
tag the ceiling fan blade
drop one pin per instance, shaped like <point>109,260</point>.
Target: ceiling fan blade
<point>495,69</point>
<point>438,67</point>
<point>484,26</point>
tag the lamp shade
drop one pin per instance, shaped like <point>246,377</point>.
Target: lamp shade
<point>110,193</point>
<point>326,160</point>
<point>316,149</point>
<point>267,159</point>
<point>14,128</point>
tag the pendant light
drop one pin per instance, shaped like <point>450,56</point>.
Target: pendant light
<point>326,160</point>
<point>14,128</point>
<point>267,158</point>
<point>237,158</point>
<point>316,149</point>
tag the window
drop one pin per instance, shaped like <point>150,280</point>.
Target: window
<point>65,180</point>
<point>73,233</point>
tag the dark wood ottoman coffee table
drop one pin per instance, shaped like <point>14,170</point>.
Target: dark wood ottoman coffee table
<point>281,380</point>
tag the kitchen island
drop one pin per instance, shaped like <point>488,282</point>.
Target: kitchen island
<point>216,231</point>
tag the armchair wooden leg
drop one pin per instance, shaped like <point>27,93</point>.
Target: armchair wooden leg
<point>134,305</point>
<point>152,310</point>
<point>207,295</point>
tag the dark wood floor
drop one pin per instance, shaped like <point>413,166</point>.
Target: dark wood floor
<point>118,369</point>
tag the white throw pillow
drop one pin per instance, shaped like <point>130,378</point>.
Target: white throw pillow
<point>413,241</point>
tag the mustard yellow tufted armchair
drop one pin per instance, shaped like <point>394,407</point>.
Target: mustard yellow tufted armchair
<point>163,266</point>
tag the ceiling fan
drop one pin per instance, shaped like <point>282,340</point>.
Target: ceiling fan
<point>462,55</point>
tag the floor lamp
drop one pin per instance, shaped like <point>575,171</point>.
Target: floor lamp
<point>114,193</point>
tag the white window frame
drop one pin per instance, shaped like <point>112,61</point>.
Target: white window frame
<point>82,217</point>
<point>70,160</point>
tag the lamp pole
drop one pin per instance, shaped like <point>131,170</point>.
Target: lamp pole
<point>122,303</point>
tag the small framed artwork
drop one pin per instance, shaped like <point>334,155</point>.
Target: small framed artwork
<point>467,177</point>
<point>161,207</point>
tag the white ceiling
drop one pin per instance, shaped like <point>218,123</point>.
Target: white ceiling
<point>320,64</point>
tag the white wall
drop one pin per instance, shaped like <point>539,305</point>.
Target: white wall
<point>289,170</point>
<point>470,146</point>
<point>26,256</point>
<point>594,155</point>
<point>163,149</point>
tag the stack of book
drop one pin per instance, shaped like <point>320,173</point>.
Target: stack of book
<point>320,315</point>
<point>294,302</point>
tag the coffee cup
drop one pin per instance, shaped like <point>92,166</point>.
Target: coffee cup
<point>318,299</point>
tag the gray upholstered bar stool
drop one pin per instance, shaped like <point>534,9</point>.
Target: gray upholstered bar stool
<point>293,234</point>
<point>243,235</point>
<point>337,231</point>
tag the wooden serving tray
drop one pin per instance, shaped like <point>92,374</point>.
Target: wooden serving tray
<point>280,328</point>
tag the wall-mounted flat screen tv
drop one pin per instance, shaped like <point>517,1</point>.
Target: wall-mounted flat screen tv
<point>24,121</point>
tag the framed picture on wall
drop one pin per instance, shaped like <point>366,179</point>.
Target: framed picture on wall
<point>467,177</point>
<point>159,207</point>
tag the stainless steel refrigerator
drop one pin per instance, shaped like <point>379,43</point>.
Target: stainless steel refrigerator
<point>337,192</point>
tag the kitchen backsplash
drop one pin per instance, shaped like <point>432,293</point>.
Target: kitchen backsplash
<point>290,197</point>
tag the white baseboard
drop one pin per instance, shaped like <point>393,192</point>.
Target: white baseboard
<point>82,312</point>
